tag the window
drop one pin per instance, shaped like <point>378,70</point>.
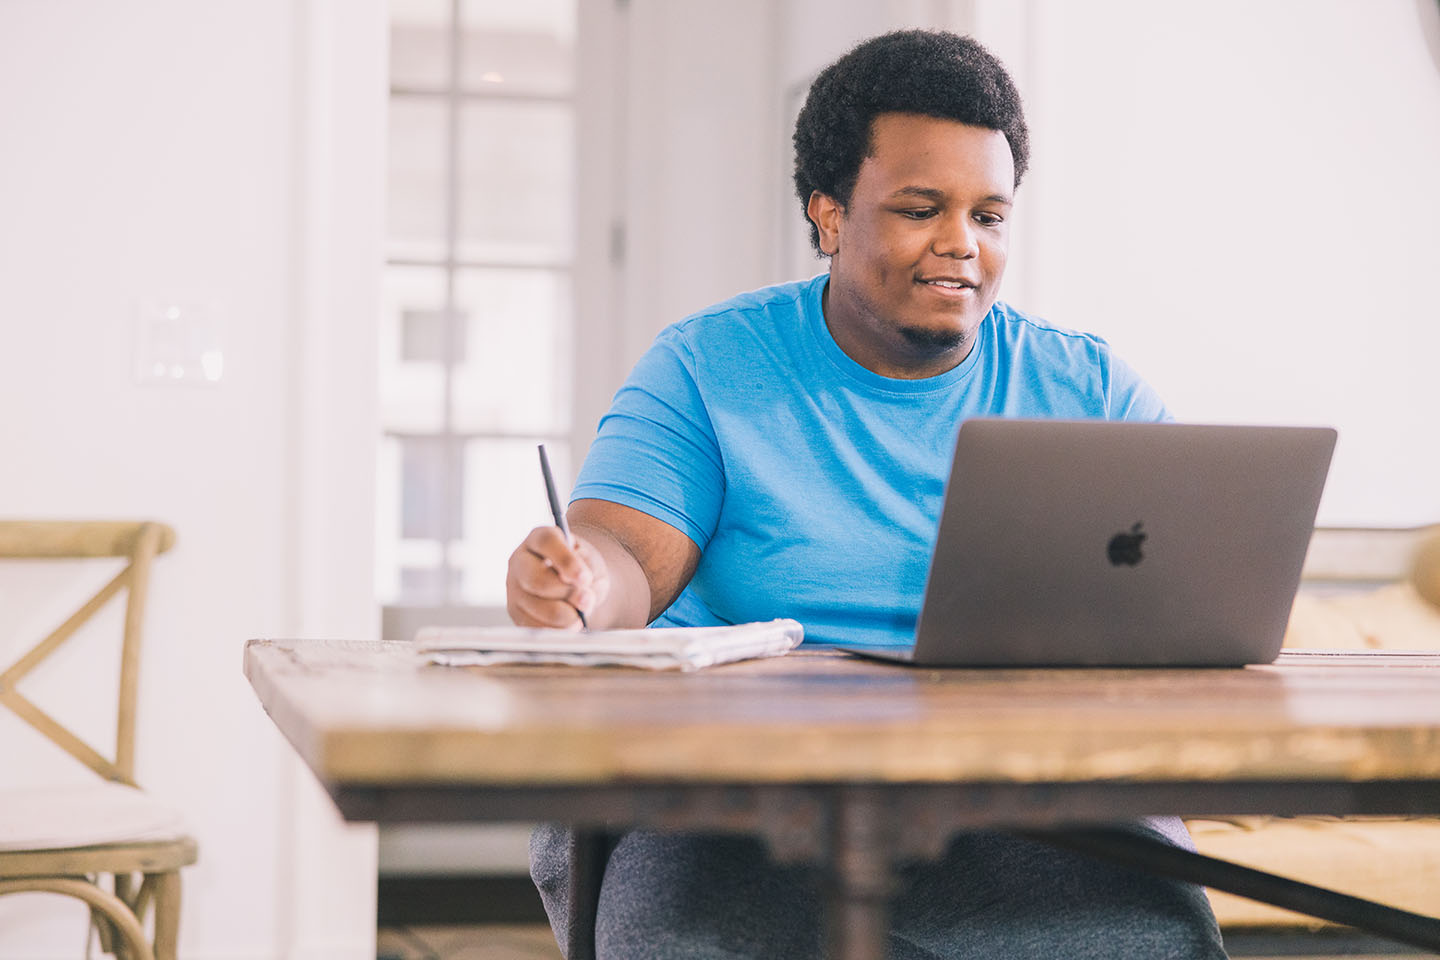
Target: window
<point>476,363</point>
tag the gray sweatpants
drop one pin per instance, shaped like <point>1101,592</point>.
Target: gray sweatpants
<point>992,896</point>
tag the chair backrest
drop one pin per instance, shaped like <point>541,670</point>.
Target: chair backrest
<point>1343,559</point>
<point>1425,575</point>
<point>140,542</point>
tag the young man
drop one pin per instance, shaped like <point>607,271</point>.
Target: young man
<point>784,454</point>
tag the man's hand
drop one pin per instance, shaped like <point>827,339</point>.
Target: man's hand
<point>549,580</point>
<point>623,569</point>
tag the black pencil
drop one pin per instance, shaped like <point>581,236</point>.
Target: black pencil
<point>558,514</point>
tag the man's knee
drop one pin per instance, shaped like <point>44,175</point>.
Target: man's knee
<point>703,897</point>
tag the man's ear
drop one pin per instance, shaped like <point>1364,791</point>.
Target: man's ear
<point>827,216</point>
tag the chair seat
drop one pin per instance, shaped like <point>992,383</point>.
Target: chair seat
<point>62,818</point>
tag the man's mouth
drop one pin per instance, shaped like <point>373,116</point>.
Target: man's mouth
<point>947,283</point>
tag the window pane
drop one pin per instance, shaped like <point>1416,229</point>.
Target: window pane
<point>425,586</point>
<point>517,198</point>
<point>519,48</point>
<point>416,179</point>
<point>419,43</point>
<point>412,388</point>
<point>432,475</point>
<point>516,376</point>
<point>505,498</point>
<point>424,333</point>
<point>395,553</point>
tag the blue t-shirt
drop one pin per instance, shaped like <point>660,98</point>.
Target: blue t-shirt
<point>812,485</point>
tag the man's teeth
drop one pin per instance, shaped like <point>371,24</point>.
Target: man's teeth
<point>952,284</point>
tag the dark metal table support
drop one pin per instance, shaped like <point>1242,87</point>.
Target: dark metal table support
<point>858,833</point>
<point>860,877</point>
<point>1155,856</point>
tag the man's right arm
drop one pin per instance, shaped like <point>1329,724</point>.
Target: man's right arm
<point>623,570</point>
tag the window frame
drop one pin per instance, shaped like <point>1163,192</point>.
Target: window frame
<point>593,272</point>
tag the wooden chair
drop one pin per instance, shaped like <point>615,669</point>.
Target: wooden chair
<point>65,840</point>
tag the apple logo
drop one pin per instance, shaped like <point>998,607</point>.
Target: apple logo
<point>1124,548</point>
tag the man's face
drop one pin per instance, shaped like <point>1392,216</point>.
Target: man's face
<point>917,254</point>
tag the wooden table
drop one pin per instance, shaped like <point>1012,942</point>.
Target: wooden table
<point>856,765</point>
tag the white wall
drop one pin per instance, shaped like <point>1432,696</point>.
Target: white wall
<point>698,155</point>
<point>1244,198</point>
<point>231,150</point>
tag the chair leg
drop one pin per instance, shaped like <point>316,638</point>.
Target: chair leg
<point>123,884</point>
<point>115,910</point>
<point>105,930</point>
<point>140,903</point>
<point>167,913</point>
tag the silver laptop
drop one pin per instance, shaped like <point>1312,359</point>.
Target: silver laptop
<point>1102,543</point>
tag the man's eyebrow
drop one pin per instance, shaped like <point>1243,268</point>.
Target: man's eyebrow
<point>924,193</point>
<point>931,193</point>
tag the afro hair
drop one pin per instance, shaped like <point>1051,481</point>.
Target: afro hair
<point>930,72</point>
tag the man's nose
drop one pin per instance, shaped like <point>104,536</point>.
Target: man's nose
<point>956,237</point>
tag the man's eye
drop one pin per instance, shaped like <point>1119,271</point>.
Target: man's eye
<point>989,219</point>
<point>921,213</point>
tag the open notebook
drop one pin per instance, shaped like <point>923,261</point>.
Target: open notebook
<point>660,648</point>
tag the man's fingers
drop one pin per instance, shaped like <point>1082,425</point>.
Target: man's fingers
<point>598,587</point>
<point>537,576</point>
<point>531,611</point>
<point>539,580</point>
<point>550,578</point>
<point>550,545</point>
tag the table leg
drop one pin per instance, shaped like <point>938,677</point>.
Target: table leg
<point>860,875</point>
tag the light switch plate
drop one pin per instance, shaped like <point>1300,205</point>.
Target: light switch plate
<point>178,342</point>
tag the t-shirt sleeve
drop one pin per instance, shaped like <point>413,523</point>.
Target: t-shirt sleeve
<point>1131,398</point>
<point>655,450</point>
